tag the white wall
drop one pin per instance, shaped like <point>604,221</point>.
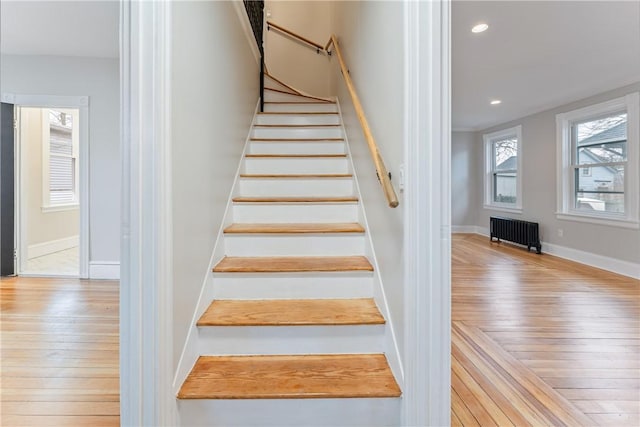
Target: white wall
<point>289,60</point>
<point>466,190</point>
<point>98,79</point>
<point>376,62</point>
<point>215,88</point>
<point>539,188</point>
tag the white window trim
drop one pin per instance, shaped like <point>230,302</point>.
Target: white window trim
<point>565,211</point>
<point>489,203</point>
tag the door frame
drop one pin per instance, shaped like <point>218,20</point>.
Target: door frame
<point>427,231</point>
<point>146,274</point>
<point>81,103</point>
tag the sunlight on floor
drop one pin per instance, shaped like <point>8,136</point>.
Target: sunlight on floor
<point>63,263</point>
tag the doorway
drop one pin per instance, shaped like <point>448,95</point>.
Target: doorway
<point>49,208</point>
<point>51,184</point>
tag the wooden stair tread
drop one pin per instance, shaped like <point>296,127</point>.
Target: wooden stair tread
<point>296,175</point>
<point>293,113</point>
<point>296,126</point>
<point>292,264</point>
<point>295,139</point>
<point>295,228</point>
<point>298,102</point>
<point>292,312</point>
<point>290,377</point>
<point>281,91</point>
<point>295,156</point>
<point>246,199</point>
<point>322,100</point>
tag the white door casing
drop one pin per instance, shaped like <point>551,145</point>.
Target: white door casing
<point>80,103</point>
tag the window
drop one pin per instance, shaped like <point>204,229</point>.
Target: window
<point>60,159</point>
<point>503,167</point>
<point>598,163</point>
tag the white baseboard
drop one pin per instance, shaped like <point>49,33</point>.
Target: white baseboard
<point>625,268</point>
<point>104,270</point>
<point>464,229</point>
<point>52,246</point>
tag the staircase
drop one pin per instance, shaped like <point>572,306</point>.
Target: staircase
<point>294,334</point>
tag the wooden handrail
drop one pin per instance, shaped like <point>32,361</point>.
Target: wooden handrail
<point>381,169</point>
<point>296,36</point>
<point>383,174</point>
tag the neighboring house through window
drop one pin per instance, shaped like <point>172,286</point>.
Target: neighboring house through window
<point>60,159</point>
<point>598,162</point>
<point>503,169</point>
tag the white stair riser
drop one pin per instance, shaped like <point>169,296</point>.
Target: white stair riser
<point>296,213</point>
<point>338,244</point>
<point>301,119</point>
<point>296,187</point>
<point>307,107</point>
<point>292,285</point>
<point>271,96</point>
<point>296,147</point>
<point>294,132</point>
<point>370,412</point>
<point>316,339</point>
<point>292,165</point>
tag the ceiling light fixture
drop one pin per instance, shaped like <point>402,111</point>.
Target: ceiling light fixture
<point>479,28</point>
<point>496,102</point>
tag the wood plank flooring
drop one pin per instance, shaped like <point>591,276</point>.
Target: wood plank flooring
<point>59,347</point>
<point>537,340</point>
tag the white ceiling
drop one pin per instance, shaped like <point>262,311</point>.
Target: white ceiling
<point>538,55</point>
<point>64,28</point>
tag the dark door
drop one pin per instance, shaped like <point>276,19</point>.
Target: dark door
<point>7,228</point>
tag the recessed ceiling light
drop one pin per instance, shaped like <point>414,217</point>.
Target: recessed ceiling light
<point>496,102</point>
<point>479,28</point>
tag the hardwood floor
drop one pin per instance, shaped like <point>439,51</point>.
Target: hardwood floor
<point>537,340</point>
<point>59,352</point>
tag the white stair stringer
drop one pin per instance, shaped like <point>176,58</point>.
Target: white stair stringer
<point>286,172</point>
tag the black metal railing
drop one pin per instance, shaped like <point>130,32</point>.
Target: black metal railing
<point>255,12</point>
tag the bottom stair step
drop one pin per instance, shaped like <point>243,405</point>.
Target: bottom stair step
<point>290,377</point>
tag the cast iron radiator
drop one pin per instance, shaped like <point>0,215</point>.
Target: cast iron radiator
<point>517,231</point>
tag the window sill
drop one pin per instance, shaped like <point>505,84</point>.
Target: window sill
<point>60,208</point>
<point>612,222</point>
<point>516,210</point>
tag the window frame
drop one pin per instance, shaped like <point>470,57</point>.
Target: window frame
<point>489,170</point>
<point>47,206</point>
<point>566,185</point>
